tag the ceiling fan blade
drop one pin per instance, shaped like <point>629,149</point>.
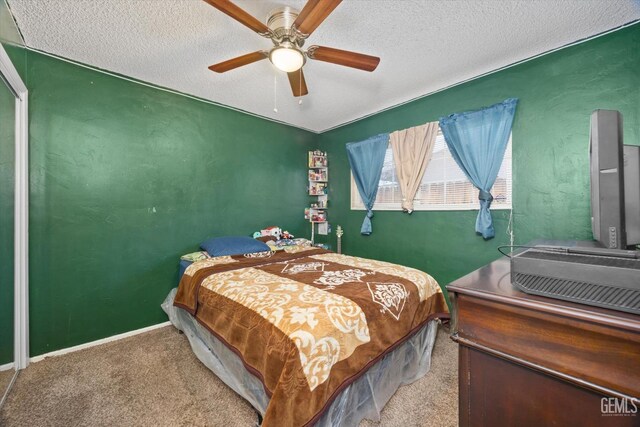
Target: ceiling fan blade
<point>343,57</point>
<point>239,61</point>
<point>240,15</point>
<point>298,84</point>
<point>313,13</point>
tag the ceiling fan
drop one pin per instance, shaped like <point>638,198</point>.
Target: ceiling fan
<point>288,29</point>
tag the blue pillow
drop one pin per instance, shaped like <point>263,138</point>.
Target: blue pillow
<point>233,245</point>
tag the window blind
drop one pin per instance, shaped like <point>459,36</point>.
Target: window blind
<point>443,187</point>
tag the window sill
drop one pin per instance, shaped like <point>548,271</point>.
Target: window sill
<point>432,209</point>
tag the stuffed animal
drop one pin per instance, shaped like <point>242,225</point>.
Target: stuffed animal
<point>257,234</point>
<point>272,231</point>
<point>287,235</point>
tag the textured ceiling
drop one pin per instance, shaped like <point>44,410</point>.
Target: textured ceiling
<point>424,46</point>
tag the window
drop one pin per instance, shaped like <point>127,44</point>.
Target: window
<point>443,187</point>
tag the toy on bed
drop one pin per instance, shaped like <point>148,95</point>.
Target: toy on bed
<point>272,231</point>
<point>277,239</point>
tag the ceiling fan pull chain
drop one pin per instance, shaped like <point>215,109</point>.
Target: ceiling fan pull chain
<point>300,81</point>
<point>275,94</point>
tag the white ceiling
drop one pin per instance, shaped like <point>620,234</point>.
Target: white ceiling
<point>424,45</point>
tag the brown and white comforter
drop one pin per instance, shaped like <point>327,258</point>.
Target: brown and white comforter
<point>308,322</point>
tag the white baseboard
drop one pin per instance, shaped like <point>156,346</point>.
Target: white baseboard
<point>98,342</point>
<point>6,366</point>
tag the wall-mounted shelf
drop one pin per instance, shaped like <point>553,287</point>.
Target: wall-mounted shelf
<point>318,176</point>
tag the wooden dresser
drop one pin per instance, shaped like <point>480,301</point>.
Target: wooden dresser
<point>535,361</point>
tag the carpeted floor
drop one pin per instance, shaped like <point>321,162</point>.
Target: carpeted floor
<point>137,382</point>
<point>5,379</point>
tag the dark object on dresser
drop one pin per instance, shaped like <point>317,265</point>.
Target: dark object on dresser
<point>527,360</point>
<point>608,278</point>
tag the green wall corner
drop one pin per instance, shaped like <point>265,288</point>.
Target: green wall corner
<point>557,94</point>
<point>126,178</point>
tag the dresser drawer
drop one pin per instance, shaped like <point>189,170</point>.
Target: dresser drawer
<point>586,352</point>
<point>495,392</point>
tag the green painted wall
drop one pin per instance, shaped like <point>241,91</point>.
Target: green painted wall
<point>126,178</point>
<point>557,93</point>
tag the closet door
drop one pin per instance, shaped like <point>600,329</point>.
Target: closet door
<point>7,192</point>
<point>14,203</point>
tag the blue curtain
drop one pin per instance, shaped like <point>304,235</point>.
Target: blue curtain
<point>477,141</point>
<point>366,159</point>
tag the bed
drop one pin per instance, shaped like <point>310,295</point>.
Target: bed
<point>307,336</point>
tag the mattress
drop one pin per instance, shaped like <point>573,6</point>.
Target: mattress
<point>183,266</point>
<point>363,398</point>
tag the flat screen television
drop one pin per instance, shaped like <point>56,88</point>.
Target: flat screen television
<point>615,183</point>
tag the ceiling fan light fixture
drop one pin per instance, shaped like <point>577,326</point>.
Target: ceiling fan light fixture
<point>288,29</point>
<point>287,58</point>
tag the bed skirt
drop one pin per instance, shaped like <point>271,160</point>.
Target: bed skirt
<point>364,398</point>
